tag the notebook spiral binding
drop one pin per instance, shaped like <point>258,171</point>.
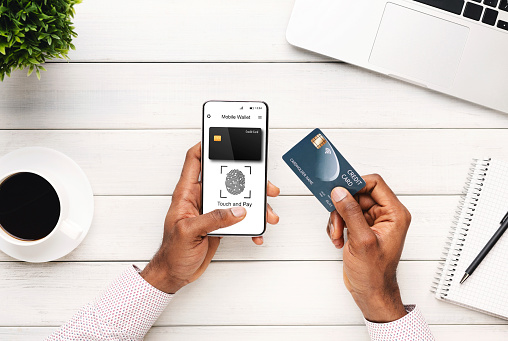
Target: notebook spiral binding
<point>460,227</point>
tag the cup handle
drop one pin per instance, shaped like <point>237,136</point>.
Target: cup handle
<point>71,229</point>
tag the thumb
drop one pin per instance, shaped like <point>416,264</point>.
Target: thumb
<point>352,214</point>
<point>217,219</point>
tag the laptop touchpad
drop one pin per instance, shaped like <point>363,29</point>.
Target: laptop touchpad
<point>414,45</point>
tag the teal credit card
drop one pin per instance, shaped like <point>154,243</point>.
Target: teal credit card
<point>321,167</point>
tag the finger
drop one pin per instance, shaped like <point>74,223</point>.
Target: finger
<point>350,211</point>
<point>272,190</point>
<point>258,240</point>
<point>271,217</point>
<point>336,230</point>
<point>192,166</point>
<point>369,207</point>
<point>217,219</point>
<point>338,227</point>
<point>328,229</point>
<point>379,190</point>
<point>366,202</point>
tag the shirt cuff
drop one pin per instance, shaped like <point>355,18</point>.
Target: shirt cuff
<point>410,327</point>
<point>131,305</point>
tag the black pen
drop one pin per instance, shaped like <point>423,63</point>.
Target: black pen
<point>486,249</point>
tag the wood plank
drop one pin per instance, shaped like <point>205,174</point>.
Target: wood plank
<point>148,162</point>
<point>194,30</point>
<point>323,333</point>
<point>120,233</point>
<point>301,95</point>
<point>258,293</point>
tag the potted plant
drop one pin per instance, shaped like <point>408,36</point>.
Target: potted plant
<point>32,32</point>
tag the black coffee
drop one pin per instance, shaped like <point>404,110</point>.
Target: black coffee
<point>29,206</point>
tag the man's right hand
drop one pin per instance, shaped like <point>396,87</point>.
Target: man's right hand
<point>187,249</point>
<point>377,224</point>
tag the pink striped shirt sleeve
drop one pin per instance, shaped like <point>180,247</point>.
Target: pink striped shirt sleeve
<point>125,311</point>
<point>411,327</point>
<point>130,306</point>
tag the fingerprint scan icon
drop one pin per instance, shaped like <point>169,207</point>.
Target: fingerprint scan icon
<point>235,182</point>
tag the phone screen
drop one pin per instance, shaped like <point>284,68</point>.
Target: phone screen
<point>234,148</point>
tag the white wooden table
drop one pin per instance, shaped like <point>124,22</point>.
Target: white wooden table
<point>128,106</point>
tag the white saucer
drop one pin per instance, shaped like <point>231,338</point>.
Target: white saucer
<point>80,195</point>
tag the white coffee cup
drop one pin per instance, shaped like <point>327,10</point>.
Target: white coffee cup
<point>65,230</point>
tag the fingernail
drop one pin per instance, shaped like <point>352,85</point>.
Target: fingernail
<point>338,194</point>
<point>274,212</point>
<point>332,229</point>
<point>238,211</point>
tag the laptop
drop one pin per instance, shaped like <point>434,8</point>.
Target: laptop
<point>456,47</point>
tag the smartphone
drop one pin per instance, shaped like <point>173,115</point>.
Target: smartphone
<point>234,149</point>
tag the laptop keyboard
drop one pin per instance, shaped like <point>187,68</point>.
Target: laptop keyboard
<point>486,11</point>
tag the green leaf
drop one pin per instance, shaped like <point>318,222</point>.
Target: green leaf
<point>38,74</point>
<point>32,32</point>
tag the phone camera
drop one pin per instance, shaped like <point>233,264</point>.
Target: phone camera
<point>208,115</point>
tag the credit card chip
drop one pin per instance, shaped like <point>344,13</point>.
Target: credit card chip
<point>318,141</point>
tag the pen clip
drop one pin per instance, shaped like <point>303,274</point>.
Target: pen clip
<point>505,218</point>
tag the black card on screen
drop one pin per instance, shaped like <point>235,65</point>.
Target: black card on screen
<point>239,144</point>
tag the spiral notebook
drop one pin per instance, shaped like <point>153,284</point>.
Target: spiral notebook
<point>478,217</point>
